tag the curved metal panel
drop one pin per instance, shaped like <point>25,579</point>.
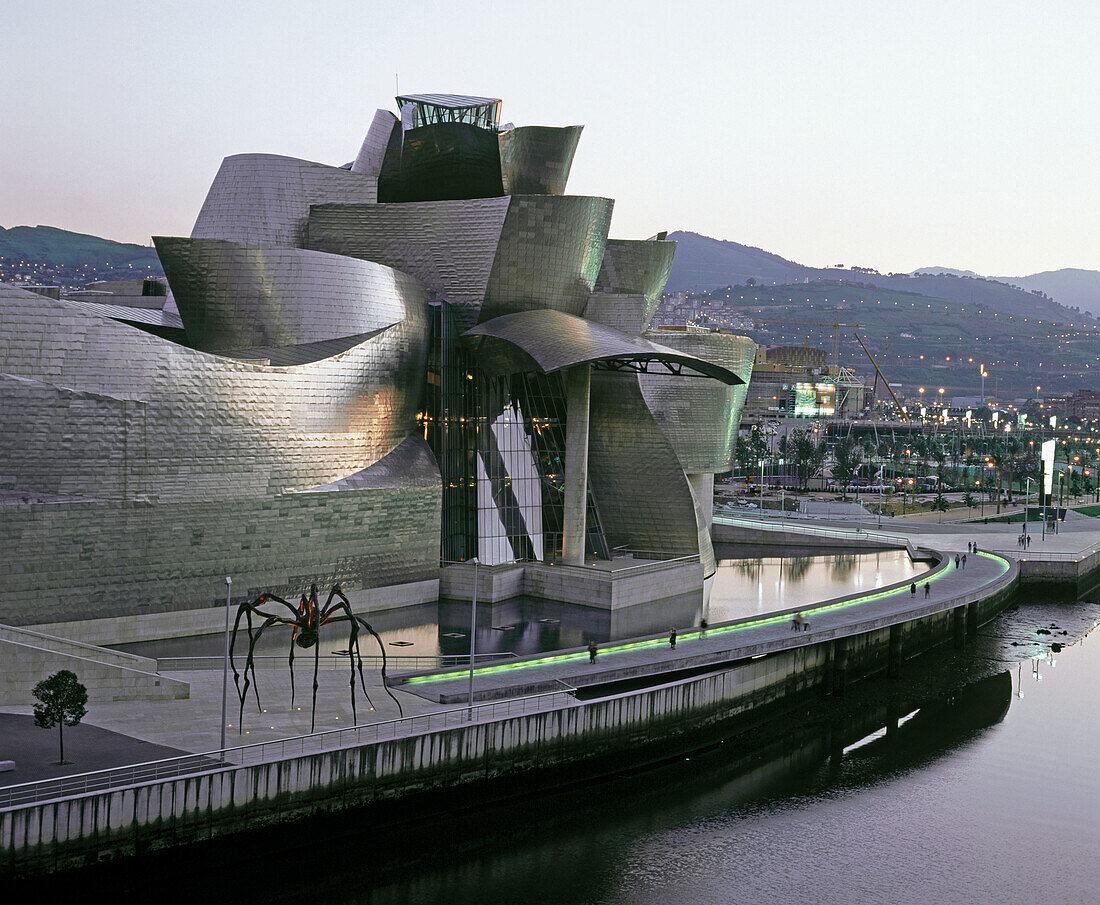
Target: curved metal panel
<point>535,160</point>
<point>159,420</point>
<point>549,254</point>
<point>235,296</point>
<point>448,245</point>
<point>264,199</point>
<point>383,138</point>
<point>699,418</point>
<point>553,341</point>
<point>641,266</point>
<point>628,312</point>
<point>644,497</point>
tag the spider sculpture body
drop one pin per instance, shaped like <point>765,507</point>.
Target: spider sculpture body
<point>305,621</point>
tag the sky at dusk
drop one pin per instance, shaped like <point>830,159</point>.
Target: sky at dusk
<point>886,134</point>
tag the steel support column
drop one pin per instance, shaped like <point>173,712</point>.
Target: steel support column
<point>578,394</point>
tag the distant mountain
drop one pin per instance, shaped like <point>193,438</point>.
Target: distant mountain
<point>61,248</point>
<point>704,263</point>
<point>1069,286</point>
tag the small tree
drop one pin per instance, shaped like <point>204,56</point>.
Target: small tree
<point>62,700</point>
<point>940,503</point>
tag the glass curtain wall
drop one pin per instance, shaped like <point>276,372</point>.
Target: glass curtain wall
<point>500,442</point>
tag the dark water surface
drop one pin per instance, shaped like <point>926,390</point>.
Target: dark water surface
<point>972,779</point>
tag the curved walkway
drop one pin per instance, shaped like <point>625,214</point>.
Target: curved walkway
<point>948,587</point>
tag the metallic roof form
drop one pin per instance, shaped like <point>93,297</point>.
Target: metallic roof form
<point>451,101</point>
<point>553,340</point>
<point>152,316</point>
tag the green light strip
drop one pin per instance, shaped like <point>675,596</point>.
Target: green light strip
<point>693,635</point>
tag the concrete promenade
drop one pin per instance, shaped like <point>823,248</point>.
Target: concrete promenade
<point>948,588</point>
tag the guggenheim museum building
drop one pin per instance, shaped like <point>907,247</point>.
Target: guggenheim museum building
<point>374,374</point>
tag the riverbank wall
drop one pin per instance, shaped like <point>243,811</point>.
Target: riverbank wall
<point>519,754</point>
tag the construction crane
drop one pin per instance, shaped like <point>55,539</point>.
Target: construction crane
<point>834,357</point>
<point>882,355</point>
<point>878,373</point>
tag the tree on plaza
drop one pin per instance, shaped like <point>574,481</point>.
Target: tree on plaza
<point>61,703</point>
<point>847,459</point>
<point>969,500</point>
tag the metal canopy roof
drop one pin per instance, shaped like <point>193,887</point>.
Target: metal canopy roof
<point>451,101</point>
<point>552,340</point>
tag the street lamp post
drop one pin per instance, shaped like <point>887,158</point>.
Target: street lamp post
<point>473,644</point>
<point>225,665</point>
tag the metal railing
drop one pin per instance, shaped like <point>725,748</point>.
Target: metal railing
<point>280,749</point>
<point>857,531</point>
<point>395,662</point>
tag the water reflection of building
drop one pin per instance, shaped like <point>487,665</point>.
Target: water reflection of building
<point>431,351</point>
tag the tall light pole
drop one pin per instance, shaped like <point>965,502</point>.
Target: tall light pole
<point>473,643</point>
<point>983,371</point>
<point>225,665</point>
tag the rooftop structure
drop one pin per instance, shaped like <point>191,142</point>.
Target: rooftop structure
<point>426,109</point>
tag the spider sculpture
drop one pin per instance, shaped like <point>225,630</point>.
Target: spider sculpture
<point>305,621</point>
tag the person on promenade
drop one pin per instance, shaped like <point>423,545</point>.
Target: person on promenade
<point>591,651</point>
<point>956,560</point>
<point>796,622</point>
<point>672,638</point>
<point>913,589</point>
<point>964,560</point>
<point>1027,546</point>
<point>702,628</point>
<point>927,590</point>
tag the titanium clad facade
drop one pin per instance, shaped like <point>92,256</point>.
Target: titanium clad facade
<point>96,408</point>
<point>644,497</point>
<point>535,160</point>
<point>700,417</point>
<point>550,252</point>
<point>383,137</point>
<point>264,199</point>
<point>636,266</point>
<point>235,296</point>
<point>447,245</point>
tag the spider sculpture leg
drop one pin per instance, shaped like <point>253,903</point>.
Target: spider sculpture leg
<point>316,667</point>
<point>382,650</point>
<point>250,666</point>
<point>246,610</point>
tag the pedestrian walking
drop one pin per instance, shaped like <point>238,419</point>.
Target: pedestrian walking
<point>796,622</point>
<point>964,560</point>
<point>956,560</point>
<point>672,638</point>
<point>913,589</point>
<point>1027,546</point>
<point>927,590</point>
<point>591,651</point>
<point>702,628</point>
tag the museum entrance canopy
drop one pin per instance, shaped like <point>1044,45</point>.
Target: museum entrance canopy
<point>546,341</point>
<point>427,109</point>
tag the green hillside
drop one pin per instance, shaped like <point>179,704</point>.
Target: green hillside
<point>42,244</point>
<point>935,342</point>
<point>703,263</point>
